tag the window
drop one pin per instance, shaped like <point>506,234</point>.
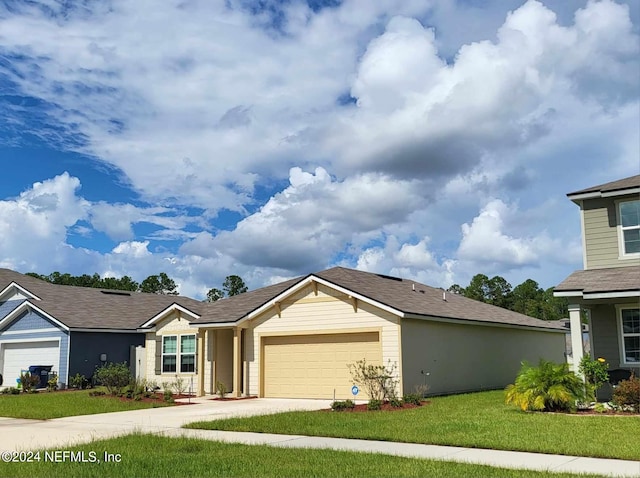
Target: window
<point>169,350</point>
<point>187,353</point>
<point>630,334</point>
<point>629,227</point>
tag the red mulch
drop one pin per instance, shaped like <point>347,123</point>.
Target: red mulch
<point>386,407</point>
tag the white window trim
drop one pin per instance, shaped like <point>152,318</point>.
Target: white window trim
<point>176,354</point>
<point>194,353</point>
<point>622,255</point>
<point>622,335</point>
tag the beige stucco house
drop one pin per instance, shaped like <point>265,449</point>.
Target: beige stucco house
<point>609,286</point>
<point>296,338</point>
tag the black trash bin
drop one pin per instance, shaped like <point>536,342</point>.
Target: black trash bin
<point>41,371</point>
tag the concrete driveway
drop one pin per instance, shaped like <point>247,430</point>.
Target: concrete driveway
<point>21,434</point>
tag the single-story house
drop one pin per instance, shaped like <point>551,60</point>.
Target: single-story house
<point>296,339</point>
<point>72,329</point>
<point>607,290</point>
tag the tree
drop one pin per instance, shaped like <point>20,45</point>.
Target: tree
<point>214,295</point>
<point>456,289</point>
<point>528,299</point>
<point>478,288</point>
<point>499,292</point>
<point>159,284</point>
<point>85,280</point>
<point>234,285</point>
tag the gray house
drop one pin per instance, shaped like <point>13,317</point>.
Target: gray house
<point>609,286</point>
<point>73,329</point>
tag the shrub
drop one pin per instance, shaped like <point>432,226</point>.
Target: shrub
<point>78,381</point>
<point>626,395</point>
<point>421,390</point>
<point>180,385</point>
<point>114,376</point>
<point>379,381</point>
<point>28,382</point>
<point>52,383</point>
<point>341,405</point>
<point>395,402</point>
<point>595,374</point>
<point>221,389</point>
<point>547,387</point>
<point>412,398</point>
<point>168,395</point>
<point>10,391</point>
<point>374,404</point>
<point>97,393</point>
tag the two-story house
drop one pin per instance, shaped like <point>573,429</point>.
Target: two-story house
<point>609,286</point>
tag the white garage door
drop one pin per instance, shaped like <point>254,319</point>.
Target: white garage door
<point>20,355</point>
<point>316,366</point>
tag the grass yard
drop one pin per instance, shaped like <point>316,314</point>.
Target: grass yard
<point>154,456</point>
<point>479,420</point>
<point>46,405</point>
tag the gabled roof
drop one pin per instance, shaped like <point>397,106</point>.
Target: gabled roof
<point>601,283</point>
<point>88,308</point>
<point>410,299</point>
<point>630,185</point>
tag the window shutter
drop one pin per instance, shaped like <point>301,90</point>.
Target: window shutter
<point>158,354</point>
<point>195,365</point>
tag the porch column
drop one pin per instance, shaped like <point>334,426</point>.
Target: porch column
<point>237,360</point>
<point>201,337</point>
<point>576,335</point>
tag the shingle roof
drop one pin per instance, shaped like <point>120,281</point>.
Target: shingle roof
<point>83,307</point>
<point>615,279</point>
<point>393,292</point>
<point>619,185</point>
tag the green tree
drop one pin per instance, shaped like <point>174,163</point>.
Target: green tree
<point>528,299</point>
<point>554,308</point>
<point>499,292</point>
<point>456,289</point>
<point>214,295</point>
<point>478,288</point>
<point>159,284</point>
<point>234,285</point>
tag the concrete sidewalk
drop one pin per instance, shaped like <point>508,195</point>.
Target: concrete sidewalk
<point>20,434</point>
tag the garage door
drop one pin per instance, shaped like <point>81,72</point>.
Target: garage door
<point>313,366</point>
<point>20,355</point>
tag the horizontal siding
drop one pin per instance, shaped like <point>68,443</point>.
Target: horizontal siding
<point>30,321</point>
<point>601,235</point>
<point>604,331</point>
<point>310,313</point>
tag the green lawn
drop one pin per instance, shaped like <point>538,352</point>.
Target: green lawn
<point>45,405</point>
<point>479,420</point>
<point>154,456</point>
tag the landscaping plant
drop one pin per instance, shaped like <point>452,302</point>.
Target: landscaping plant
<point>114,376</point>
<point>78,381</point>
<point>379,381</point>
<point>221,389</point>
<point>28,382</point>
<point>626,395</point>
<point>180,385</point>
<point>595,374</point>
<point>547,387</point>
<point>341,405</point>
<point>52,383</point>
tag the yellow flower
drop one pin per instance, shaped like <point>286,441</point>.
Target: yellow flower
<point>601,360</point>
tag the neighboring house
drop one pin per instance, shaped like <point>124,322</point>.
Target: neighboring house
<point>609,286</point>
<point>73,329</point>
<point>296,338</point>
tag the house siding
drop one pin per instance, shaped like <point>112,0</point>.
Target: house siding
<point>174,324</point>
<point>86,348</point>
<point>601,235</point>
<point>329,311</point>
<point>31,326</point>
<point>464,357</point>
<point>9,306</point>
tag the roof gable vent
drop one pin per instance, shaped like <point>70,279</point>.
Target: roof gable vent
<point>115,292</point>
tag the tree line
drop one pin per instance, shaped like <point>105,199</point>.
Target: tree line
<point>527,298</point>
<point>154,284</point>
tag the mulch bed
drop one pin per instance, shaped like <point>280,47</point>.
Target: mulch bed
<point>386,407</point>
<point>230,399</point>
<point>157,398</point>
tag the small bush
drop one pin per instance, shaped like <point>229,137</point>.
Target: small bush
<point>412,398</point>
<point>78,381</point>
<point>221,389</point>
<point>595,374</point>
<point>97,393</point>
<point>168,395</point>
<point>29,382</point>
<point>374,405</point>
<point>341,405</point>
<point>52,383</point>
<point>395,402</point>
<point>379,381</point>
<point>421,390</point>
<point>627,395</point>
<point>180,385</point>
<point>114,376</point>
<point>10,391</point>
<point>547,387</point>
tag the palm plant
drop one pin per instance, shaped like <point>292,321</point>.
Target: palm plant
<point>547,387</point>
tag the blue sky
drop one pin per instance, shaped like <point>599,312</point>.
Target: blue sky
<point>426,139</point>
